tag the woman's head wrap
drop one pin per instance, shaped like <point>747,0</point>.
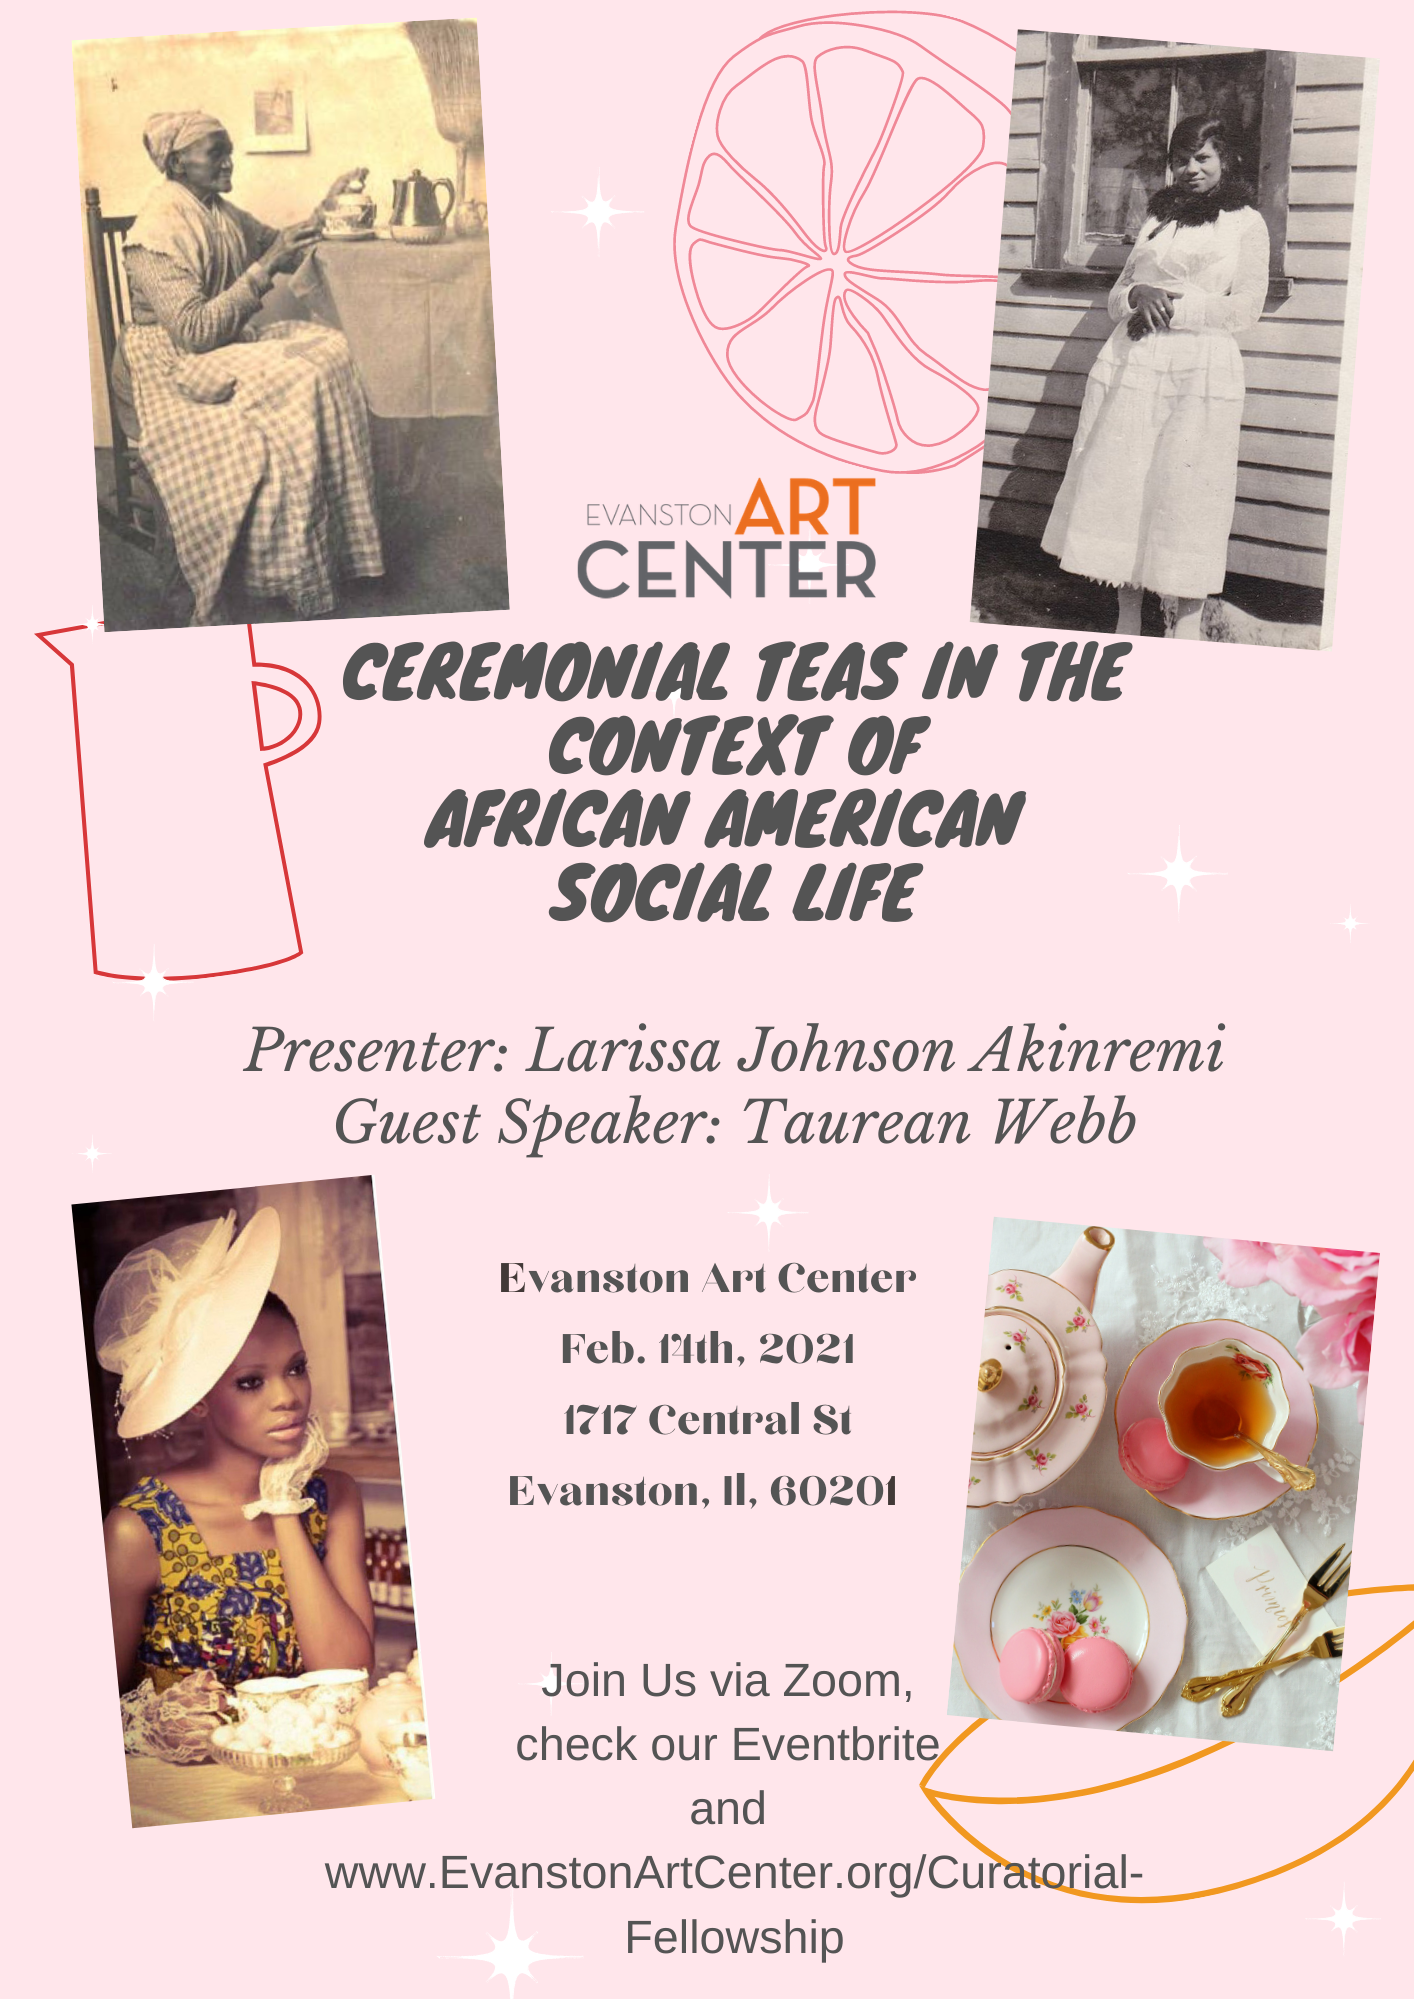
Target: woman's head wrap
<point>170,131</point>
<point>176,1313</point>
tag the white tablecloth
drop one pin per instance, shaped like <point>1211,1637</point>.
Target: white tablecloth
<point>1149,1283</point>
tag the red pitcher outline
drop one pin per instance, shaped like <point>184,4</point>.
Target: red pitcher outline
<point>295,739</point>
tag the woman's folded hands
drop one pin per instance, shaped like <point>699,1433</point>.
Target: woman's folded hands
<point>1152,310</point>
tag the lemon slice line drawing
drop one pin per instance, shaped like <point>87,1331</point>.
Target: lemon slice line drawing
<point>825,158</point>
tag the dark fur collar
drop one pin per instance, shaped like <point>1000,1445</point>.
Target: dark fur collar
<point>1189,211</point>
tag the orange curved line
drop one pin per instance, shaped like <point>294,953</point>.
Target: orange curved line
<point>1053,1798</point>
<point>1393,1640</point>
<point>1159,1770</point>
<point>1181,1895</point>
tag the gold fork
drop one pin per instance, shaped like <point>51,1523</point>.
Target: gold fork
<point>1322,1587</point>
<point>1325,1646</point>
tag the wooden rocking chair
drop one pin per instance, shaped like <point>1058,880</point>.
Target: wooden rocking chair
<point>135,511</point>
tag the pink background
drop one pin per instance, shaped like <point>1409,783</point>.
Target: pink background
<point>1284,773</point>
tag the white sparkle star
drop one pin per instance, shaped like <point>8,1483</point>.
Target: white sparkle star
<point>546,1681</point>
<point>1350,923</point>
<point>90,1153</point>
<point>1178,874</point>
<point>769,1212</point>
<point>153,982</point>
<point>94,624</point>
<point>1344,1919</point>
<point>599,212</point>
<point>509,1956</point>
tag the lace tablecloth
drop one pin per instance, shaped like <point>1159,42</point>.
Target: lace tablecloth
<point>1148,1284</point>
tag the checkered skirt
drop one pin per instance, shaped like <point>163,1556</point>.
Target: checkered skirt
<point>272,487</point>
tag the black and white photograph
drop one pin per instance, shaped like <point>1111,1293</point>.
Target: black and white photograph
<point>1180,248</point>
<point>291,353</point>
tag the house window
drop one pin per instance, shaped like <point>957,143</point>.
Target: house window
<point>1110,108</point>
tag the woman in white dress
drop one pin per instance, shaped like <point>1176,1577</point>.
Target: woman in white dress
<point>1148,494</point>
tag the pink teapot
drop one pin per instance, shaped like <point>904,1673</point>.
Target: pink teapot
<point>1027,1344</point>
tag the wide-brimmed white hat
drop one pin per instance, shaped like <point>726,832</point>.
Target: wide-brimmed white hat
<point>176,1313</point>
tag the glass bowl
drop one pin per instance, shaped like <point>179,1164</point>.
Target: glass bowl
<point>284,1772</point>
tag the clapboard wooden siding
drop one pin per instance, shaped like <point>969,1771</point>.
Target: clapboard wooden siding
<point>1045,340</point>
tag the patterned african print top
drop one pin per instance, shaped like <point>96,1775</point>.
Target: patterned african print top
<point>230,1613</point>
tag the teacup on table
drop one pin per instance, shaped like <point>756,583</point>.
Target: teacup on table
<point>1220,1401</point>
<point>349,215</point>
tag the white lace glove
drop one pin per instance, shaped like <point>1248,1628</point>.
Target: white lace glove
<point>283,1480</point>
<point>177,1724</point>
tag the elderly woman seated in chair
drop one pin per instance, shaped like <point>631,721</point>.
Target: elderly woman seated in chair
<point>256,440</point>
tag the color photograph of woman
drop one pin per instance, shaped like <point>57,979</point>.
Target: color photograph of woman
<point>251,1519</point>
<point>291,352</point>
<point>1166,415</point>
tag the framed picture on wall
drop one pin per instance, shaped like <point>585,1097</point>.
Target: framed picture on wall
<point>277,123</point>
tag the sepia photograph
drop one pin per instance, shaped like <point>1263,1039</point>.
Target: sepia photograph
<point>1165,424</point>
<point>245,1437</point>
<point>291,355</point>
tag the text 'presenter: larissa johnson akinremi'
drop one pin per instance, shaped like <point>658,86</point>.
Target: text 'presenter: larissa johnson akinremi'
<point>246,1561</point>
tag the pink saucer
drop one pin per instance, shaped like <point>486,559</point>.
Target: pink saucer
<point>1207,1494</point>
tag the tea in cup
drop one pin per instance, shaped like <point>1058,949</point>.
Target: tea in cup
<point>1221,1401</point>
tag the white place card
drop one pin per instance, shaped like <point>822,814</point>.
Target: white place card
<point>1263,1586</point>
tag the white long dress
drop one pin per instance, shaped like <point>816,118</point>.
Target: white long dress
<point>1149,491</point>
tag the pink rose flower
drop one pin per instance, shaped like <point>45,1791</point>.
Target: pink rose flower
<point>1325,1277</point>
<point>1335,1352</point>
<point>1249,1365</point>
<point>1063,1623</point>
<point>1316,1276</point>
<point>1243,1263</point>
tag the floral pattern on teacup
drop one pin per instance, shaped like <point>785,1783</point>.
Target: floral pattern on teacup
<point>1075,1323</point>
<point>1080,1408</point>
<point>1040,1459</point>
<point>1011,1289</point>
<point>1069,1619</point>
<point>1031,1400</point>
<point>1249,1363</point>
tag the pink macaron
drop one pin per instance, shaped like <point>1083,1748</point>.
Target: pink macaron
<point>1147,1456</point>
<point>1031,1663</point>
<point>1098,1674</point>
